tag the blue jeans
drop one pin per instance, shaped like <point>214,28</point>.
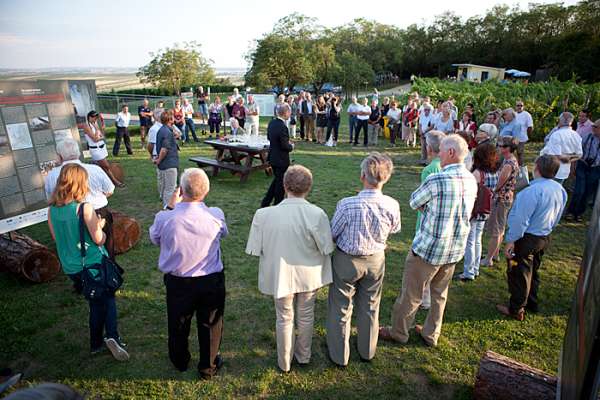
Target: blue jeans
<point>103,316</point>
<point>473,250</point>
<point>586,184</point>
<point>189,126</point>
<point>202,108</point>
<point>352,125</point>
<point>181,127</point>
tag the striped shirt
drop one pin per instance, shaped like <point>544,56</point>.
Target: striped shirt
<point>447,199</point>
<point>591,150</point>
<point>361,224</point>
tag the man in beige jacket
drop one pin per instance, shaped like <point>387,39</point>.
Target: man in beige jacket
<point>293,240</point>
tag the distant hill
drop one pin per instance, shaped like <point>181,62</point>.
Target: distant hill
<point>106,78</point>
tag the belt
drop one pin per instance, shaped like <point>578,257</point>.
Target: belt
<point>96,147</point>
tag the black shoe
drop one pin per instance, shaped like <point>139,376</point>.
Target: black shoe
<point>365,360</point>
<point>196,140</point>
<point>219,361</point>
<point>98,350</point>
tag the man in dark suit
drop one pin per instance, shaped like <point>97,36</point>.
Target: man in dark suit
<point>279,154</point>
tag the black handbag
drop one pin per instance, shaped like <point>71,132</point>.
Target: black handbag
<point>97,279</point>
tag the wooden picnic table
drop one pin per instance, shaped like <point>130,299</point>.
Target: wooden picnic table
<point>235,157</point>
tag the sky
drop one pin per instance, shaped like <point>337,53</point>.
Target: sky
<point>121,34</point>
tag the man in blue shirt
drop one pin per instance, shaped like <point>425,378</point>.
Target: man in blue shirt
<point>167,159</point>
<point>535,212</point>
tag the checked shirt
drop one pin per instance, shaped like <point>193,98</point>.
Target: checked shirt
<point>361,224</point>
<point>447,199</point>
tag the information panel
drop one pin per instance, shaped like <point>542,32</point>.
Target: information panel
<point>266,104</point>
<point>34,116</point>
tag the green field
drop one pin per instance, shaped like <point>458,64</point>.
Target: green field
<point>44,327</point>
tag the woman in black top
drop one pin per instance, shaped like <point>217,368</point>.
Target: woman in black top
<point>321,111</point>
<point>333,118</point>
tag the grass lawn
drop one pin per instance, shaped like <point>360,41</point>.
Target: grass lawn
<point>44,327</point>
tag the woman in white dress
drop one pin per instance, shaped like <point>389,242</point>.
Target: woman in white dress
<point>95,140</point>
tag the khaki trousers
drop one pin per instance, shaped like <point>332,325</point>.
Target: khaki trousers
<point>309,127</point>
<point>417,273</point>
<point>357,279</point>
<point>288,344</point>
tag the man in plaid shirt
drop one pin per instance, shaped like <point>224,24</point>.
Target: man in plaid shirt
<point>360,227</point>
<point>446,200</point>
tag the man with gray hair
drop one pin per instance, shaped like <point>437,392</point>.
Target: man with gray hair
<point>446,200</point>
<point>564,143</point>
<point>279,153</point>
<point>99,184</point>
<point>189,235</point>
<point>360,227</point>
<point>510,126</point>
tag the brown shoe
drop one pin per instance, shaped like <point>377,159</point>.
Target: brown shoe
<point>386,334</point>
<point>520,316</point>
<point>419,331</point>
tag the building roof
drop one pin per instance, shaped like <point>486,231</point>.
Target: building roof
<point>475,65</point>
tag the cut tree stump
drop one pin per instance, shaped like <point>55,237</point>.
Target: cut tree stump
<point>117,171</point>
<point>502,378</point>
<point>23,256</point>
<point>127,232</point>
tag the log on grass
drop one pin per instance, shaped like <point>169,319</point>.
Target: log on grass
<point>117,171</point>
<point>127,232</point>
<point>23,256</point>
<point>502,378</point>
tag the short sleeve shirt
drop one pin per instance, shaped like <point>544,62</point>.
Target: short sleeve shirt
<point>144,121</point>
<point>166,139</point>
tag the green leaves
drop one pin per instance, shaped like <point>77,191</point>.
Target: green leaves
<point>176,67</point>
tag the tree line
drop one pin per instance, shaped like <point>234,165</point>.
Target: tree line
<point>563,40</point>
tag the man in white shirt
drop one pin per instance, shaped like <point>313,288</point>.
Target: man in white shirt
<point>564,143</point>
<point>252,115</point>
<point>152,147</point>
<point>188,113</point>
<point>99,184</point>
<point>352,108</point>
<point>122,122</point>
<point>426,122</point>
<point>292,274</point>
<point>363,111</point>
<point>526,122</point>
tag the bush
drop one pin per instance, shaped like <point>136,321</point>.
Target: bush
<point>544,100</point>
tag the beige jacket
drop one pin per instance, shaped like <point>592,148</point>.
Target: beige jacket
<point>294,243</point>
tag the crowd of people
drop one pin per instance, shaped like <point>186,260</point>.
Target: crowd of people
<point>470,183</point>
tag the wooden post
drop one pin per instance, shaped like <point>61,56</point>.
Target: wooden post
<point>502,378</point>
<point>23,256</point>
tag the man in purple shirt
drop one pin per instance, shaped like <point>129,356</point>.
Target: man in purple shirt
<point>189,235</point>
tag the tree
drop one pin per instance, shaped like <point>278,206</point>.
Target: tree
<point>279,58</point>
<point>353,72</point>
<point>325,66</point>
<point>179,66</point>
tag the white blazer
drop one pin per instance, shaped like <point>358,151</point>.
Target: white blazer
<point>294,243</point>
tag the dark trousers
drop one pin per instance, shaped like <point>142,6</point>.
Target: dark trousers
<point>181,127</point>
<point>109,243</point>
<point>394,131</point>
<point>204,296</point>
<point>301,118</point>
<point>215,125</point>
<point>242,121</point>
<point>586,184</point>
<point>352,126</point>
<point>276,190</point>
<point>122,133</point>
<point>103,316</point>
<point>335,125</point>
<point>361,124</point>
<point>189,126</point>
<point>522,272</point>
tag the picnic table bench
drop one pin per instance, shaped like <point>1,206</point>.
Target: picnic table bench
<point>235,157</point>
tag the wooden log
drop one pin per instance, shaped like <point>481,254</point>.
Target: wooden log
<point>502,378</point>
<point>22,255</point>
<point>127,232</point>
<point>117,171</point>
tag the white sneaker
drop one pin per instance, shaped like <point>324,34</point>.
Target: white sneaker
<point>118,352</point>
